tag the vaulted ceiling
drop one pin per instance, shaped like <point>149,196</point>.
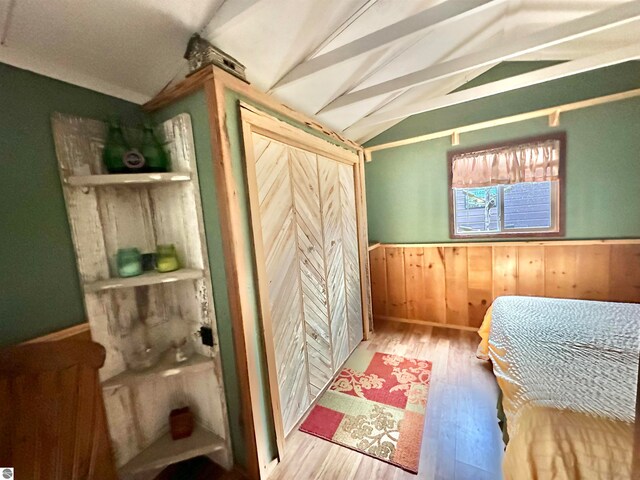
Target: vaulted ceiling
<point>358,66</point>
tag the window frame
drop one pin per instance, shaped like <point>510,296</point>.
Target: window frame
<point>561,137</point>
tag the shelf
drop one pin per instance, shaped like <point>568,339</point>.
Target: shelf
<point>150,278</point>
<point>165,368</point>
<point>166,451</point>
<point>126,179</point>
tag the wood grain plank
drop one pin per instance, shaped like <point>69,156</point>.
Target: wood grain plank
<point>417,307</point>
<point>531,271</point>
<point>455,266</point>
<point>479,283</point>
<point>378,262</point>
<point>625,273</point>
<point>396,280</point>
<point>560,272</point>
<point>435,284</point>
<point>505,271</point>
<point>592,272</point>
<point>334,258</point>
<point>351,254</point>
<point>304,177</point>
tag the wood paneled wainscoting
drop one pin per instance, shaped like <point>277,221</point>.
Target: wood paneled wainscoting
<point>454,284</point>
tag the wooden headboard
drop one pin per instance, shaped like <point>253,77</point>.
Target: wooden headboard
<point>77,332</point>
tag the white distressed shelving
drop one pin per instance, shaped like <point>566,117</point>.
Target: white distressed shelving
<point>165,368</point>
<point>126,179</point>
<point>149,278</point>
<point>143,210</point>
<point>166,451</point>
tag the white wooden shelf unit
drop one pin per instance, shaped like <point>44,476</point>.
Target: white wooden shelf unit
<point>166,451</point>
<point>126,179</point>
<point>148,278</point>
<point>164,368</point>
<point>109,212</point>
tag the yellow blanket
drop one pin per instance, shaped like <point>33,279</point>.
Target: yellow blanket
<point>564,445</point>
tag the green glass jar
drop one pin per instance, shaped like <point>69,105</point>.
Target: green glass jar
<point>114,149</point>
<point>129,262</point>
<point>155,156</point>
<point>167,258</point>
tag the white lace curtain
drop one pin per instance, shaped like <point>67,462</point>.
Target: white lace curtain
<point>530,162</point>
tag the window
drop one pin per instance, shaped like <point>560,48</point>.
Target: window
<point>511,189</point>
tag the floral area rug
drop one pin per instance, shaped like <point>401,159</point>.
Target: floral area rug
<point>376,406</point>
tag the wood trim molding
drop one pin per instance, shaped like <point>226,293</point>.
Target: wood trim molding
<point>237,85</point>
<point>235,269</point>
<point>182,89</point>
<point>424,322</point>
<point>263,283</point>
<point>269,126</point>
<point>224,79</point>
<point>77,332</point>
<point>363,246</point>
<point>545,112</point>
<point>548,243</point>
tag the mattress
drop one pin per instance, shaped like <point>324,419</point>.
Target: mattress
<point>564,357</point>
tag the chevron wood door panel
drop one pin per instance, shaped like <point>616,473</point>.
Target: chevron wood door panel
<point>304,169</point>
<point>277,218</point>
<point>329,177</point>
<point>304,222</point>
<point>351,255</point>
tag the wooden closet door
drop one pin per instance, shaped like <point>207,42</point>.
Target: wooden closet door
<point>307,231</point>
<point>329,172</point>
<point>351,255</point>
<point>279,239</point>
<point>310,237</point>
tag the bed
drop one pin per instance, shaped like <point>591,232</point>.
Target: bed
<point>567,370</point>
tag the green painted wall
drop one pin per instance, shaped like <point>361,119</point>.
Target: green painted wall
<point>39,284</point>
<point>407,192</point>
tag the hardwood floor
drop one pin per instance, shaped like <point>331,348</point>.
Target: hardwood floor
<point>461,437</point>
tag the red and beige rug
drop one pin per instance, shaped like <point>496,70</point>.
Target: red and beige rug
<point>376,406</point>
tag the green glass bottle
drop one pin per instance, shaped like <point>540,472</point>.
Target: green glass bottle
<point>114,149</point>
<point>154,154</point>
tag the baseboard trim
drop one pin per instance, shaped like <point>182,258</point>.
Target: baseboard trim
<point>426,323</point>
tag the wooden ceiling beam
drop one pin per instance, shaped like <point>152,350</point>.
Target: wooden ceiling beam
<point>555,72</point>
<point>431,17</point>
<point>581,27</point>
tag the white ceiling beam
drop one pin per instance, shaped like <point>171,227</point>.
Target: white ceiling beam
<point>437,15</point>
<point>332,36</point>
<point>590,24</point>
<point>574,67</point>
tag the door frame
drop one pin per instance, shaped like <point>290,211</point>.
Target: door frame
<point>261,123</point>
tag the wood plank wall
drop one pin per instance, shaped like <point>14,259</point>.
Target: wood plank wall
<point>454,284</point>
